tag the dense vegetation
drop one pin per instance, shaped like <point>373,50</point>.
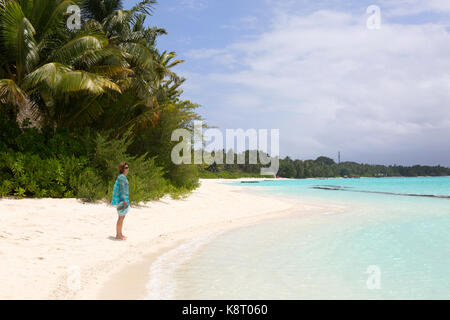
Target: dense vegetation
<point>74,103</point>
<point>326,167</point>
<point>322,167</point>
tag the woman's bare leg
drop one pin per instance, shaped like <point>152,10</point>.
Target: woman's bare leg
<point>119,234</point>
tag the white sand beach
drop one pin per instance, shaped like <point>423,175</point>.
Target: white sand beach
<point>47,243</point>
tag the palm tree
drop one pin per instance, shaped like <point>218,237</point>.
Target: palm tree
<point>138,107</point>
<point>44,65</point>
<point>100,9</point>
<point>109,73</point>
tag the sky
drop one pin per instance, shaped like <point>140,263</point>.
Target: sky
<point>315,71</point>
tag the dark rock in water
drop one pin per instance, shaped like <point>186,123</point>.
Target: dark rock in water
<point>339,188</point>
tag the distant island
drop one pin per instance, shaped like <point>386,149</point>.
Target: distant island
<point>322,167</point>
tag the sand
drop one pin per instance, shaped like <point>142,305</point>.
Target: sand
<point>65,249</point>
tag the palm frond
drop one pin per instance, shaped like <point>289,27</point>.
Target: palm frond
<point>144,7</point>
<point>100,9</point>
<point>147,117</point>
<point>10,93</point>
<point>90,110</point>
<point>111,71</point>
<point>51,16</point>
<point>77,47</point>
<point>78,81</point>
<point>17,37</point>
<point>118,18</point>
<point>141,55</point>
<point>49,74</point>
<point>105,56</point>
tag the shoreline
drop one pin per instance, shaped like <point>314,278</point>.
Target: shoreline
<point>64,249</point>
<point>132,282</point>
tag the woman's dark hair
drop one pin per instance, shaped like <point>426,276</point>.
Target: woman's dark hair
<point>121,167</point>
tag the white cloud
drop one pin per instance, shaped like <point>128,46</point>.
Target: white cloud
<point>332,84</point>
<point>406,7</point>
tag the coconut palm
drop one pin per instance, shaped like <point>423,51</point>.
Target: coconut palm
<point>100,9</point>
<point>138,106</point>
<point>109,73</point>
<point>44,66</point>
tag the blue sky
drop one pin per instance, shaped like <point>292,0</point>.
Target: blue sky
<point>313,69</point>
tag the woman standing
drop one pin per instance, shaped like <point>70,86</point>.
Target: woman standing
<point>120,198</point>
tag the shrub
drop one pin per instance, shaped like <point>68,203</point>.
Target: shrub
<point>106,154</point>
<point>184,176</point>
<point>6,188</point>
<point>53,165</point>
<point>89,186</point>
<point>145,180</point>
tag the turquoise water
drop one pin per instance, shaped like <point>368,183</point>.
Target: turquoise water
<point>378,246</point>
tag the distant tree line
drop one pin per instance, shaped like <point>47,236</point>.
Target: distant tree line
<point>322,167</point>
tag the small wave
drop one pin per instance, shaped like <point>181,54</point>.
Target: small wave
<point>162,285</point>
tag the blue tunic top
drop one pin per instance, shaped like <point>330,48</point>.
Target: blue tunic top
<point>120,193</point>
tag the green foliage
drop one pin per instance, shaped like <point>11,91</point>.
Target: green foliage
<point>27,175</point>
<point>88,177</point>
<point>9,130</point>
<point>325,167</point>
<point>89,186</point>
<point>206,174</point>
<point>145,177</point>
<point>98,96</point>
<point>184,176</point>
<point>146,180</point>
<point>6,188</point>
<point>324,160</point>
<point>287,169</point>
<point>178,193</point>
<point>231,171</point>
<point>106,154</point>
<point>45,142</point>
<point>158,144</point>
